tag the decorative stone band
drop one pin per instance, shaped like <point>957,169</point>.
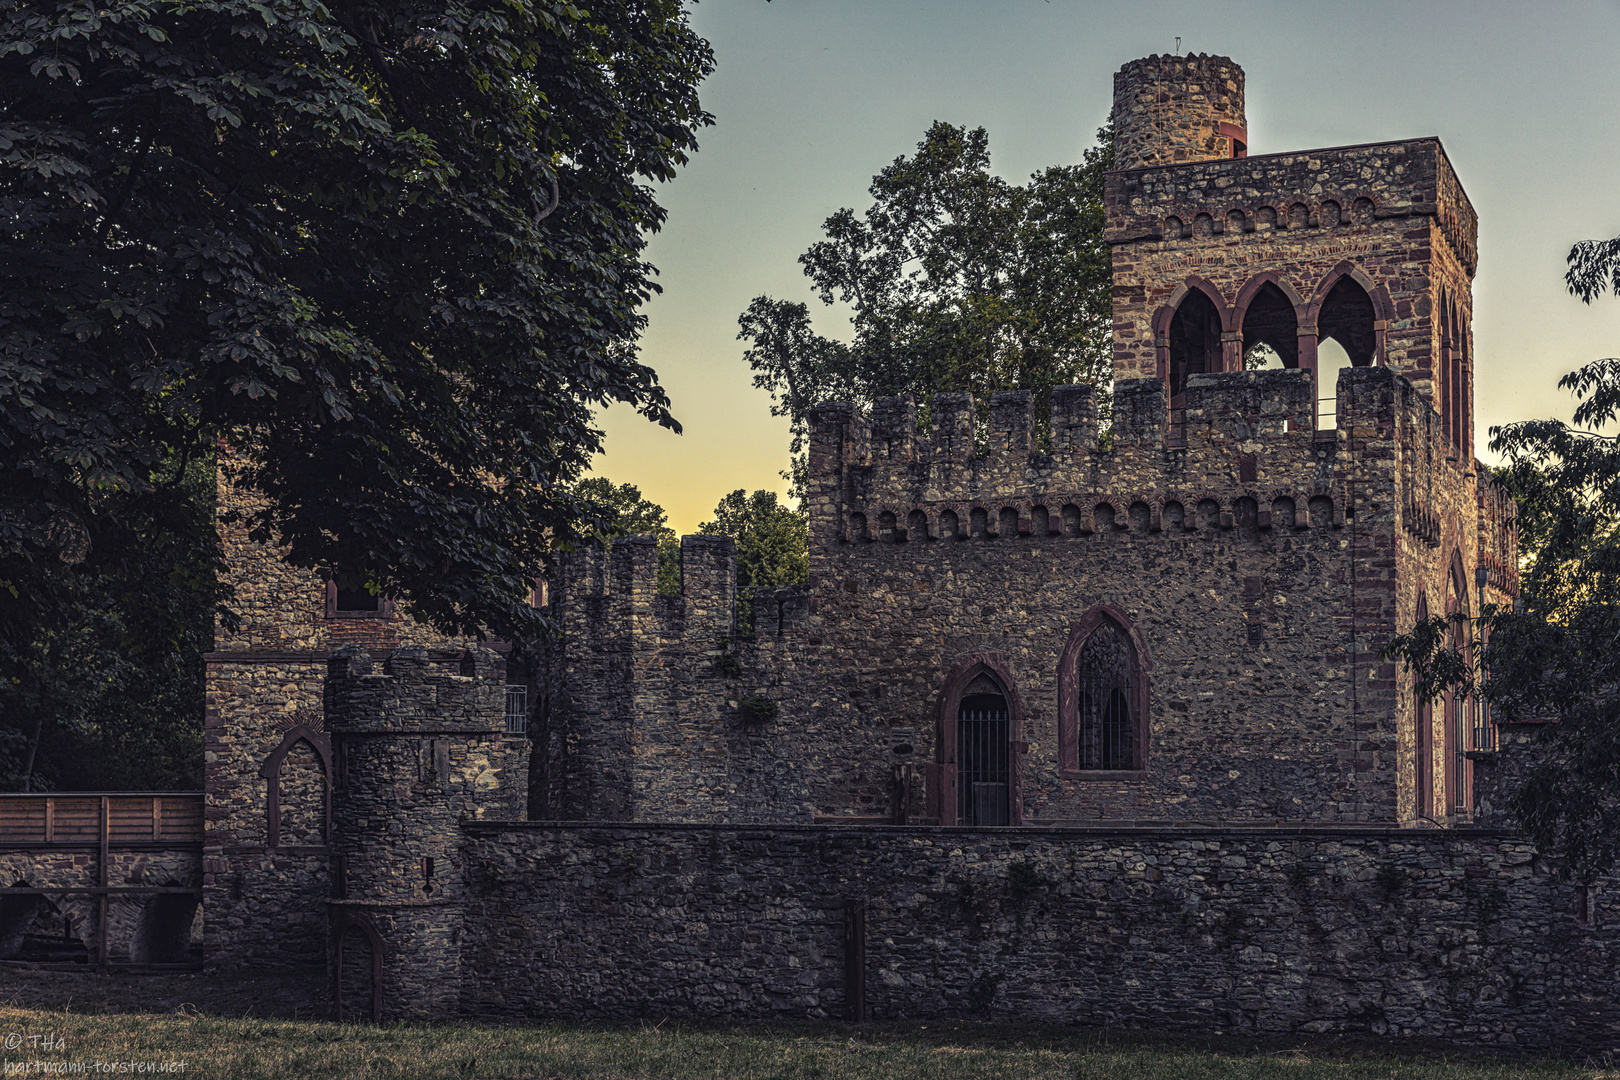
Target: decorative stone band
<point>1323,188</point>
<point>1084,514</point>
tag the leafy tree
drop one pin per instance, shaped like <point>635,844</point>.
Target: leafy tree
<point>624,511</point>
<point>391,253</point>
<point>1554,656</point>
<point>103,684</point>
<point>957,280</point>
<point>1593,266</point>
<point>773,543</point>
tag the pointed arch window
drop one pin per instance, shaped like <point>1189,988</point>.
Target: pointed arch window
<point>1195,349</point>
<point>1103,695</point>
<point>1423,731</point>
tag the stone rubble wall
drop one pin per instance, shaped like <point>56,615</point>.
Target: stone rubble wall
<point>149,865</point>
<point>260,903</point>
<point>1171,109</point>
<point>418,752</point>
<point>1460,935</point>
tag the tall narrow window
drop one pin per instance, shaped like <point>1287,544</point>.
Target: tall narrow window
<point>1459,770</point>
<point>1195,349</point>
<point>1423,750</point>
<point>1107,734</point>
<point>1102,697</point>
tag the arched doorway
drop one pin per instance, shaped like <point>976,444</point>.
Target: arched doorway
<point>357,963</point>
<point>977,778</point>
<point>163,935</point>
<point>983,754</point>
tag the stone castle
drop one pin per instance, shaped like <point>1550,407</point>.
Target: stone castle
<point>1072,722</point>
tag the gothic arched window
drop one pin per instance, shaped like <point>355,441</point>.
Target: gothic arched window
<point>1104,721</point>
<point>1102,697</point>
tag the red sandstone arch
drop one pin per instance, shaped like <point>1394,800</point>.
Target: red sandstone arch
<point>1246,295</point>
<point>1304,346</point>
<point>1162,317</point>
<point>1069,691</point>
<point>942,796</point>
<point>1383,310</point>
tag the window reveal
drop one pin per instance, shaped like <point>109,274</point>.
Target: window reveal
<point>1107,734</point>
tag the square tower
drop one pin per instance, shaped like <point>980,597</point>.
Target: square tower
<point>1221,257</point>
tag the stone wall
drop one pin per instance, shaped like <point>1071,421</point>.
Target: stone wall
<point>1464,935</point>
<point>264,896</point>
<point>263,901</point>
<point>1262,564</point>
<point>143,866</point>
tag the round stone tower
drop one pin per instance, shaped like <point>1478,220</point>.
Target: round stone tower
<point>1172,109</point>
<point>419,749</point>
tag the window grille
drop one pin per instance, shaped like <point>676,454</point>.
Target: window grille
<point>517,710</point>
<point>1107,735</point>
<point>982,753</point>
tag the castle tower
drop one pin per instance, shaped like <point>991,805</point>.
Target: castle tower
<point>1173,109</point>
<point>418,750</point>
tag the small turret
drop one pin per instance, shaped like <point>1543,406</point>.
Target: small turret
<point>1172,109</point>
<point>420,748</point>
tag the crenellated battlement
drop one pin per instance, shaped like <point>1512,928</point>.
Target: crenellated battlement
<point>603,592</point>
<point>1322,193</point>
<point>1247,454</point>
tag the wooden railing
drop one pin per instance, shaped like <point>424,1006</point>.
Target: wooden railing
<point>94,819</point>
<point>101,821</point>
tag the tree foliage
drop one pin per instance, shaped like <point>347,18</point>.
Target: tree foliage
<point>621,510</point>
<point>956,280</point>
<point>391,252</point>
<point>102,649</point>
<point>773,543</point>
<point>1594,265</point>
<point>1554,656</point>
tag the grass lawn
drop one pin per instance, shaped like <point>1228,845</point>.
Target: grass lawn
<point>217,1046</point>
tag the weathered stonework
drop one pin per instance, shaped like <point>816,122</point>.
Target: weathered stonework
<point>1144,658</point>
<point>419,753</point>
<point>1462,935</point>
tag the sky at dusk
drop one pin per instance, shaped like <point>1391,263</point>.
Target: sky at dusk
<point>812,97</point>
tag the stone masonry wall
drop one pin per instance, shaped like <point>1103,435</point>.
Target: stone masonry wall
<point>259,902</point>
<point>1263,564</point>
<point>1463,935</point>
<point>1171,109</point>
<point>1233,557</point>
<point>1392,211</point>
